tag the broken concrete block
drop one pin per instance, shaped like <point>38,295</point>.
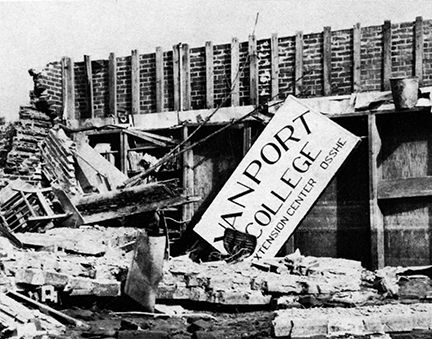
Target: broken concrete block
<point>204,335</point>
<point>56,279</point>
<point>30,276</point>
<point>341,326</point>
<point>241,298</point>
<point>79,286</point>
<point>106,288</point>
<point>287,285</point>
<point>422,321</point>
<point>286,326</point>
<point>397,322</point>
<point>139,334</point>
<point>373,325</point>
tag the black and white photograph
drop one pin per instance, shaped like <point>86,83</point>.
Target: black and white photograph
<point>242,169</point>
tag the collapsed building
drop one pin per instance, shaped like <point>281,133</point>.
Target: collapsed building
<point>106,143</point>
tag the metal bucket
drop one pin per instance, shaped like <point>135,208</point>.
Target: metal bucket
<point>405,92</point>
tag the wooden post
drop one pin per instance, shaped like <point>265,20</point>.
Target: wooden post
<point>135,77</point>
<point>274,66</point>
<point>419,49</point>
<point>357,57</point>
<point>253,71</point>
<point>176,76</point>
<point>386,55</point>
<point>186,83</point>
<point>159,80</point>
<point>298,73</point>
<point>112,84</point>
<point>64,89</point>
<point>89,87</point>
<point>68,88</point>
<point>123,152</point>
<point>209,74</point>
<point>327,47</point>
<point>235,73</point>
<point>376,217</point>
<point>247,138</point>
<point>188,176</point>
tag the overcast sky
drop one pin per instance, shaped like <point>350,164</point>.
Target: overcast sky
<point>33,33</point>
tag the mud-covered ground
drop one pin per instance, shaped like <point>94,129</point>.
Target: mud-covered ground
<point>113,319</point>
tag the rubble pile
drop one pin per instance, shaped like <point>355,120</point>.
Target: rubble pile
<point>360,321</point>
<point>83,261</point>
<point>252,283</point>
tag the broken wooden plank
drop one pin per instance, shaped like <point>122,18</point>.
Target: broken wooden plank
<point>148,137</point>
<point>404,188</point>
<point>93,164</point>
<point>146,270</point>
<point>49,310</point>
<point>116,212</point>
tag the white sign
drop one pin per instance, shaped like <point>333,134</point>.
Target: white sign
<point>279,179</point>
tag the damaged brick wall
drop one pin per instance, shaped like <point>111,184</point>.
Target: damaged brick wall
<point>20,155</point>
<point>402,42</point>
<point>47,93</point>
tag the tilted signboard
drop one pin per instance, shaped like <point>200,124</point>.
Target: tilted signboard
<point>279,179</point>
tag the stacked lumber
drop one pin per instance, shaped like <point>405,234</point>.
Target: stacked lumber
<point>58,161</point>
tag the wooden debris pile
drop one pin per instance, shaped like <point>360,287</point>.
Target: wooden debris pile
<point>92,187</point>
